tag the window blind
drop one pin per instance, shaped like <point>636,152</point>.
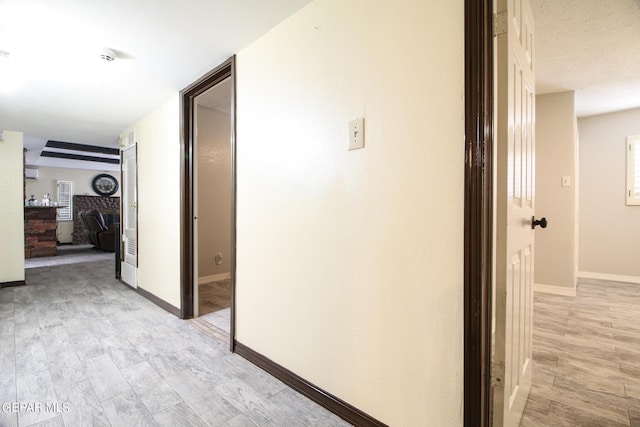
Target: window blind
<point>65,199</point>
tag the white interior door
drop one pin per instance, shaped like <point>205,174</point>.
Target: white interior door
<point>129,220</point>
<point>515,126</point>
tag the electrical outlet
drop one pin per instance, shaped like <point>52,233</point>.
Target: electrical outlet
<point>218,258</point>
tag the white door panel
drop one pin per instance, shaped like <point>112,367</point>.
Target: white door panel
<point>129,220</point>
<point>515,126</point>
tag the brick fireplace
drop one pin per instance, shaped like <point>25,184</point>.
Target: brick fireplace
<point>109,207</point>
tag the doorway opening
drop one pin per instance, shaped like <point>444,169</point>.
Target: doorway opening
<point>208,199</point>
<point>72,223</point>
<point>212,205</point>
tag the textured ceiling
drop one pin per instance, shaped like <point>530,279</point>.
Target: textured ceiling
<point>591,47</point>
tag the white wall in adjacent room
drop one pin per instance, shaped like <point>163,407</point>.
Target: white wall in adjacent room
<point>609,229</point>
<point>556,157</point>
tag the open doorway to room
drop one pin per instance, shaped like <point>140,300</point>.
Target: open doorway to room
<point>208,204</point>
<point>62,181</point>
<point>212,204</point>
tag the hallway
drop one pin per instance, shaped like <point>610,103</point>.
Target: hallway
<point>110,357</point>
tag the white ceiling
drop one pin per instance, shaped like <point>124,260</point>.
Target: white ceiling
<point>591,47</point>
<point>65,92</point>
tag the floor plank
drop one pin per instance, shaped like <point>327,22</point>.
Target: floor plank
<point>586,352</point>
<point>92,351</point>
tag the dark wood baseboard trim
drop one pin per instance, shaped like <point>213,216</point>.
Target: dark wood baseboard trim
<point>339,407</point>
<point>157,301</point>
<point>12,284</point>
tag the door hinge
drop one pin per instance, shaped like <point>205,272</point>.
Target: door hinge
<point>497,380</point>
<point>499,23</point>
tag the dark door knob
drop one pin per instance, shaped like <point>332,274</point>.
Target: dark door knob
<point>542,222</point>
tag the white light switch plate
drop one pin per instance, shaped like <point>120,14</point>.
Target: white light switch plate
<point>356,133</point>
<point>566,181</point>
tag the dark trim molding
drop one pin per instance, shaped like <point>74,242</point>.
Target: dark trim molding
<point>156,300</point>
<point>12,284</point>
<point>478,212</point>
<point>339,407</point>
<point>187,108</point>
<point>234,192</point>
<point>82,147</point>
<point>59,155</point>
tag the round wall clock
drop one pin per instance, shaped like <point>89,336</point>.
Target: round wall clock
<point>104,184</point>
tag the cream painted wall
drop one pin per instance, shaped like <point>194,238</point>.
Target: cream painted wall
<point>12,212</point>
<point>556,156</point>
<point>158,138</point>
<point>47,183</point>
<point>214,191</point>
<point>350,263</point>
<point>609,229</point>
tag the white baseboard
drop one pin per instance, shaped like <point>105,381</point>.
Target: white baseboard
<point>213,278</point>
<point>609,277</point>
<point>555,289</point>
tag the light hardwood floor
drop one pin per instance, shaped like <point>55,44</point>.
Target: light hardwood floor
<point>89,351</point>
<point>214,296</point>
<point>586,357</point>
<point>214,302</point>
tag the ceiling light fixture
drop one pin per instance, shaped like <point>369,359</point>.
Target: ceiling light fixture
<point>107,55</point>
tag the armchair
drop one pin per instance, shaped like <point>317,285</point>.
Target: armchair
<point>96,231</point>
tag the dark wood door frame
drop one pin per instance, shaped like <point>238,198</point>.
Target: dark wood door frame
<point>478,212</point>
<point>187,132</point>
